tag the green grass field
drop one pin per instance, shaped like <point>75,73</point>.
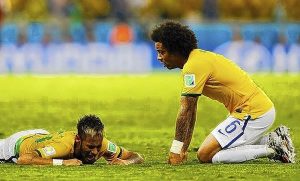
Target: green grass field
<point>139,113</point>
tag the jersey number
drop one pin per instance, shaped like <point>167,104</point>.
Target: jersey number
<point>230,128</point>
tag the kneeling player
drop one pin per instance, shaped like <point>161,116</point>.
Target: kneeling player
<point>239,137</point>
<point>39,147</point>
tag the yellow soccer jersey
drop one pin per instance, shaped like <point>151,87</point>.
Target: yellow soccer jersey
<point>220,79</point>
<point>109,150</point>
<point>56,145</point>
<point>61,145</point>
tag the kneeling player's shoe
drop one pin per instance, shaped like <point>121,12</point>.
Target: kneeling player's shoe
<point>274,139</point>
<point>282,151</point>
<point>284,134</point>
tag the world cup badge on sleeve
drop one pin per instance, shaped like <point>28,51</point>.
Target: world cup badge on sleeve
<point>189,80</point>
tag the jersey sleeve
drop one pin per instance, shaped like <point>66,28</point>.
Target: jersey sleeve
<point>194,75</point>
<point>111,150</point>
<point>54,150</point>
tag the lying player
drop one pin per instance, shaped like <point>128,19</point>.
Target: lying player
<point>39,147</point>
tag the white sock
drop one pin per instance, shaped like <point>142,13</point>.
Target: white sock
<point>1,149</point>
<point>264,140</point>
<point>242,153</point>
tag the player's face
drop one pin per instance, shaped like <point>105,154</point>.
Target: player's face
<point>169,60</point>
<point>90,148</point>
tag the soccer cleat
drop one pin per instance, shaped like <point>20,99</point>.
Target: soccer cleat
<point>284,134</point>
<point>282,144</point>
<point>273,138</point>
<point>282,153</point>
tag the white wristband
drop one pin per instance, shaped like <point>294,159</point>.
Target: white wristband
<point>176,147</point>
<point>57,161</point>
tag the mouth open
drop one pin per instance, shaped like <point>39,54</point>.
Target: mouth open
<point>90,158</point>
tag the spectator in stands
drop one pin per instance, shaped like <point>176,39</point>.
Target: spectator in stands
<point>165,9</point>
<point>292,9</point>
<point>119,9</point>
<point>35,10</point>
<point>210,9</point>
<point>1,11</point>
<point>247,9</point>
<point>192,10</point>
<point>92,9</point>
<point>121,33</point>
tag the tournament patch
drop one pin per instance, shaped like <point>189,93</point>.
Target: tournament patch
<point>112,147</point>
<point>189,80</point>
<point>49,151</point>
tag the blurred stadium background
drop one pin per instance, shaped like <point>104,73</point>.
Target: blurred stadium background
<point>74,37</point>
<point>111,36</point>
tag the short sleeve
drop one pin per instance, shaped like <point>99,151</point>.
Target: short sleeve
<point>111,150</point>
<point>194,76</point>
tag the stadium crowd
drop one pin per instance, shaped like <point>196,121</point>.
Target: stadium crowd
<point>112,22</point>
<point>82,10</point>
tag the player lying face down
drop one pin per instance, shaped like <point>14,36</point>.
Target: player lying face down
<point>39,147</point>
<point>90,145</point>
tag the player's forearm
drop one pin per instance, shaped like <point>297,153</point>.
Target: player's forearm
<point>184,128</point>
<point>189,132</point>
<point>127,159</point>
<point>135,158</point>
<point>186,121</point>
<point>30,159</point>
<point>33,160</point>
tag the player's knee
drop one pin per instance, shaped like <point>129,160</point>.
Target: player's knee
<point>203,155</point>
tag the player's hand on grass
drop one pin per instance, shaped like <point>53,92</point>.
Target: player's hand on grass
<point>176,159</point>
<point>72,162</point>
<point>118,161</point>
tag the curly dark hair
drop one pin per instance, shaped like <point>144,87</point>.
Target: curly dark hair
<point>89,124</point>
<point>175,37</point>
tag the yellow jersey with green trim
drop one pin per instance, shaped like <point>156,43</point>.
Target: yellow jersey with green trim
<point>220,79</point>
<point>56,145</point>
<point>61,145</point>
<point>109,150</point>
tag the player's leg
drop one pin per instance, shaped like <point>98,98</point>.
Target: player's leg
<point>236,139</point>
<point>211,151</point>
<point>231,133</point>
<point>1,151</point>
<point>208,149</point>
<point>243,153</point>
<point>279,140</point>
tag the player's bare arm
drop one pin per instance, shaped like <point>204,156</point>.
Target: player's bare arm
<point>34,159</point>
<point>184,127</point>
<point>127,158</point>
